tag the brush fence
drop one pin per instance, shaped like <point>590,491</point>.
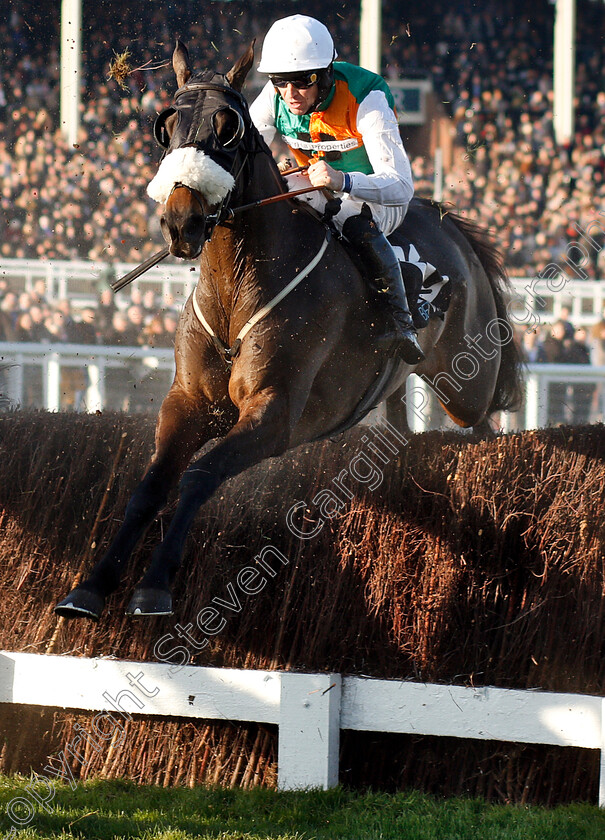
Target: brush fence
<point>309,709</point>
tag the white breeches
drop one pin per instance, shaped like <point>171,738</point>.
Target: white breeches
<point>387,218</point>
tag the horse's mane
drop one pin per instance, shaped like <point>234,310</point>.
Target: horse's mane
<point>481,240</point>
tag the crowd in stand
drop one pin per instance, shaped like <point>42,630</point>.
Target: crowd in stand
<point>494,76</point>
<point>491,69</point>
<point>562,343</point>
<point>143,321</point>
<point>490,64</point>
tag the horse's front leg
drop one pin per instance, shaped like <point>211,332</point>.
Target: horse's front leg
<point>262,431</point>
<point>183,426</point>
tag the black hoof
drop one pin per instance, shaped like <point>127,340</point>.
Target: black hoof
<point>81,603</point>
<point>150,602</point>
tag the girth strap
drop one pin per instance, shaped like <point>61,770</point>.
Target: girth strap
<point>231,352</point>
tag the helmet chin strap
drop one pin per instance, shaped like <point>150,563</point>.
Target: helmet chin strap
<point>325,84</point>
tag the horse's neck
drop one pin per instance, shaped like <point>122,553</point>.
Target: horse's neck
<point>255,255</point>
<point>266,180</point>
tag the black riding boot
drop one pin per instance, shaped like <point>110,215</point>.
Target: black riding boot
<point>379,260</point>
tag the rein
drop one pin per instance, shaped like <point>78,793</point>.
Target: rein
<point>223,214</point>
<point>217,218</point>
<point>230,353</point>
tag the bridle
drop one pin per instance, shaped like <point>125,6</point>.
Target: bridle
<point>225,211</point>
<point>242,153</point>
<point>245,128</point>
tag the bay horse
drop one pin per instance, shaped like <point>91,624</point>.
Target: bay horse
<point>277,345</point>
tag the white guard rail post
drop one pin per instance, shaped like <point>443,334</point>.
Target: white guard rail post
<point>309,731</point>
<point>96,360</point>
<point>310,709</point>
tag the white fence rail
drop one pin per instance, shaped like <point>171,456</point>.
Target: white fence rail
<point>309,709</point>
<point>81,281</point>
<point>535,302</point>
<point>551,397</point>
<point>36,375</point>
<point>42,375</point>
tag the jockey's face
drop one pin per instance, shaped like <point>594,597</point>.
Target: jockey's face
<point>299,100</point>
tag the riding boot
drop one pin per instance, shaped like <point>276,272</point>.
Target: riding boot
<point>382,265</point>
<point>412,283</point>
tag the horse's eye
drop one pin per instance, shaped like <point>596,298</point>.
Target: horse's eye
<point>228,127</point>
<point>163,126</point>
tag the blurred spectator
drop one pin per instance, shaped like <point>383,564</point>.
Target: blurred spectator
<point>64,307</point>
<point>106,307</point>
<point>150,303</point>
<point>530,345</point>
<point>55,323</point>
<point>7,330</point>
<point>84,330</point>
<point>170,321</point>
<point>568,326</point>
<point>23,328</point>
<point>38,293</point>
<point>577,352</point>
<point>136,321</point>
<point>121,332</point>
<point>10,308</point>
<point>552,351</point>
<point>39,331</point>
<point>153,332</point>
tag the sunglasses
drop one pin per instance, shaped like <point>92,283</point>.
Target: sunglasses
<point>300,82</point>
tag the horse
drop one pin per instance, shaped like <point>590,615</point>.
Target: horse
<point>279,343</point>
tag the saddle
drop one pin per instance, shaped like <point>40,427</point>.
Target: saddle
<point>428,291</point>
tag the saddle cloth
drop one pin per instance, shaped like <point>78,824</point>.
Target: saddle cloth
<point>429,292</point>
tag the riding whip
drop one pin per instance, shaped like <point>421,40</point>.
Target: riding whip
<point>154,259</point>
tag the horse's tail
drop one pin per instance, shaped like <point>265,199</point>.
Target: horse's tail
<point>510,386</point>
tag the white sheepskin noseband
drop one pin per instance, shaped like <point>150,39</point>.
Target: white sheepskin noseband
<point>191,167</point>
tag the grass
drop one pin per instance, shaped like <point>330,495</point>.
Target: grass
<point>112,810</point>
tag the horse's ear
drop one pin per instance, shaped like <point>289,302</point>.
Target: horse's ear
<point>237,75</point>
<point>180,64</point>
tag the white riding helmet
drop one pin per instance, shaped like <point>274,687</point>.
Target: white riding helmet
<point>295,44</point>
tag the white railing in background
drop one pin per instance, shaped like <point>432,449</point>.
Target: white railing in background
<point>309,709</point>
<point>31,375</point>
<point>81,281</point>
<point>534,413</point>
<point>534,303</point>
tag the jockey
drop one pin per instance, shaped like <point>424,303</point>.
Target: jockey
<point>338,119</point>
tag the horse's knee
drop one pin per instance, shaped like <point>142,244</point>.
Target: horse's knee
<point>198,483</point>
<point>148,497</point>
